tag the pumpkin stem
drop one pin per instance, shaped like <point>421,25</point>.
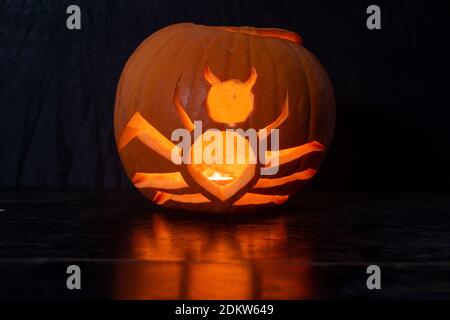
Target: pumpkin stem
<point>267,32</point>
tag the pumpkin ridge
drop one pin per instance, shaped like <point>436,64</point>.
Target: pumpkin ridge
<point>130,64</point>
<point>296,54</point>
<point>151,67</point>
<point>200,66</point>
<point>276,79</point>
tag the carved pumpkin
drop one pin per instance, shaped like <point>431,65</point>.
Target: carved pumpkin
<point>221,85</point>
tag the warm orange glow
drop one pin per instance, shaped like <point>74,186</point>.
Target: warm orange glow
<point>271,33</point>
<point>223,159</point>
<point>172,180</point>
<point>281,118</point>
<point>216,176</point>
<point>162,197</point>
<point>254,198</point>
<point>220,174</point>
<point>189,84</point>
<point>179,260</point>
<point>220,281</point>
<point>303,175</point>
<point>229,101</point>
<point>139,128</point>
<point>291,154</point>
<point>187,123</point>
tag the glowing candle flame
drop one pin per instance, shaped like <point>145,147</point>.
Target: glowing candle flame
<point>216,176</point>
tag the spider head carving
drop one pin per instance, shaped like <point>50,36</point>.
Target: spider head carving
<point>229,101</point>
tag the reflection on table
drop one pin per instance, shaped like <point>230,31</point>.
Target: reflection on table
<point>185,259</point>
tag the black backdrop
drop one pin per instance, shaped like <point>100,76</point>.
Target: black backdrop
<point>392,87</point>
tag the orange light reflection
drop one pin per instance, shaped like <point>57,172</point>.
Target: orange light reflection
<point>188,260</point>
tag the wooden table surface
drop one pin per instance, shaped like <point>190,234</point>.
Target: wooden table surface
<point>317,246</point>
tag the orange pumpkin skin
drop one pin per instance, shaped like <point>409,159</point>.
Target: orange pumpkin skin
<point>176,57</point>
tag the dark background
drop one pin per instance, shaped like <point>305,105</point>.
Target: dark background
<point>392,86</point>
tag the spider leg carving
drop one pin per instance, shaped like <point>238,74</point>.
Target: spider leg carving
<point>165,181</point>
<point>139,128</point>
<point>280,157</point>
<point>279,121</point>
<point>284,156</point>
<point>184,117</point>
<point>277,158</point>
<point>255,199</point>
<point>162,197</point>
<point>269,183</point>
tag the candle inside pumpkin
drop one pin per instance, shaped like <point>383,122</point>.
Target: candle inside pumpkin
<point>217,176</point>
<point>222,157</point>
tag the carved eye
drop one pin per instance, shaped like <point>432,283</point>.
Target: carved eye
<point>217,128</point>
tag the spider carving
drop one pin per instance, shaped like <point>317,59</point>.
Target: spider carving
<point>228,102</point>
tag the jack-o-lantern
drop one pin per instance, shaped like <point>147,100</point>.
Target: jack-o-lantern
<point>222,119</point>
